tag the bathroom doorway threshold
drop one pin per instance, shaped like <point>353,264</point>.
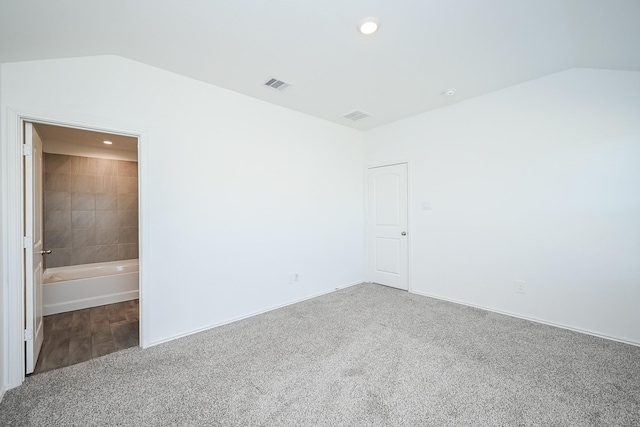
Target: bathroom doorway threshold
<point>81,335</point>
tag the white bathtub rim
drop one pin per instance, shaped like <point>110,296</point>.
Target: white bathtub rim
<point>99,269</point>
<point>53,282</point>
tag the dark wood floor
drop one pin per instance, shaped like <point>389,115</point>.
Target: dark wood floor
<point>78,336</point>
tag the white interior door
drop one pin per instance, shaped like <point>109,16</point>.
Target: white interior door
<point>34,331</point>
<point>387,225</point>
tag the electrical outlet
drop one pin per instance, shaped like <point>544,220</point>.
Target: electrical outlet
<point>293,277</point>
<point>520,288</point>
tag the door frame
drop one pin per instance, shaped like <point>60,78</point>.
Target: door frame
<point>367,219</point>
<point>34,246</point>
<point>13,278</point>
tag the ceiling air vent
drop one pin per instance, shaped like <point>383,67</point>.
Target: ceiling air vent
<point>277,84</point>
<point>356,115</point>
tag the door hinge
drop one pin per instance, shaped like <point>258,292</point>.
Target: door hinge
<point>27,150</point>
<point>28,334</point>
<point>27,243</point>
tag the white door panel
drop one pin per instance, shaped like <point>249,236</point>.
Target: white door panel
<point>387,198</point>
<point>387,253</point>
<point>34,330</point>
<point>387,225</point>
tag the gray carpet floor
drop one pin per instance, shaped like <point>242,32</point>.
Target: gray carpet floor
<point>363,356</point>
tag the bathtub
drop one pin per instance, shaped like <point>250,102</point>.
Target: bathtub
<point>89,285</point>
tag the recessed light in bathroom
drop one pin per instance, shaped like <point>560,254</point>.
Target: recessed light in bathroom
<point>368,25</point>
<point>108,142</point>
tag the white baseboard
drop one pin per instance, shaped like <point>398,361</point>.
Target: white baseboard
<point>95,301</point>
<point>531,319</point>
<point>2,391</point>
<point>255,313</point>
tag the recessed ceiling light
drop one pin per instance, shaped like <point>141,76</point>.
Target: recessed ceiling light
<point>449,92</point>
<point>108,142</point>
<point>368,25</point>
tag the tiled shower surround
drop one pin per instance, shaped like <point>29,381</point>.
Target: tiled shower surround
<point>90,210</point>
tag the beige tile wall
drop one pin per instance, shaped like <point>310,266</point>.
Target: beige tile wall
<point>90,210</point>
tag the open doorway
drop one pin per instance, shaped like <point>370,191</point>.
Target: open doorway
<point>81,246</point>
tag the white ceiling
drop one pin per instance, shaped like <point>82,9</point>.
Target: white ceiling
<point>50,133</point>
<point>422,48</point>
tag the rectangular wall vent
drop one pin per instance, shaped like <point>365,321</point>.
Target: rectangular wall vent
<point>356,115</point>
<point>277,84</point>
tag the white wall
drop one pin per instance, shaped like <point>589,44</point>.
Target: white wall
<point>240,192</point>
<point>3,314</point>
<point>538,182</point>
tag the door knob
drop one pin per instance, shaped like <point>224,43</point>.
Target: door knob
<point>404,233</point>
<point>46,252</point>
